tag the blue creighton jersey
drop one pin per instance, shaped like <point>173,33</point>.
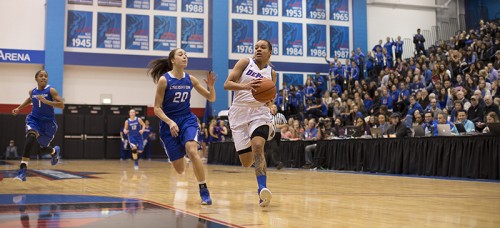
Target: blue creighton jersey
<point>40,110</point>
<point>176,101</point>
<point>134,127</point>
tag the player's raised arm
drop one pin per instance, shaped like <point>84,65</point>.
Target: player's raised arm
<point>210,81</point>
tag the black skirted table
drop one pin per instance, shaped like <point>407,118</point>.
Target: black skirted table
<point>465,156</point>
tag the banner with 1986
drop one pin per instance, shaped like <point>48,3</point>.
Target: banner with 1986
<point>316,40</point>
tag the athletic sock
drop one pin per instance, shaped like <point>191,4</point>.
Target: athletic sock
<point>202,184</point>
<point>262,181</point>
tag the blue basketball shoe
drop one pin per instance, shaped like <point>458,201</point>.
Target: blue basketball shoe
<point>55,156</point>
<point>21,175</point>
<point>265,196</point>
<point>205,197</point>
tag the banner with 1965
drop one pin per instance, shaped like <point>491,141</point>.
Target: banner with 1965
<point>165,33</point>
<point>267,7</point>
<point>316,40</point>
<point>339,10</point>
<point>137,37</point>
<point>268,30</point>
<point>192,35</point>
<point>193,6</point>
<point>242,36</point>
<point>109,30</point>
<point>339,42</point>
<point>79,29</point>
<point>292,39</point>
<point>315,9</point>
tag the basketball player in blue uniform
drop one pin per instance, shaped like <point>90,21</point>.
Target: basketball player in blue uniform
<point>178,125</point>
<point>250,120</point>
<point>41,122</point>
<point>134,127</point>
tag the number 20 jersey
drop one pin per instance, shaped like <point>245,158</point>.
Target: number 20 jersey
<point>176,102</point>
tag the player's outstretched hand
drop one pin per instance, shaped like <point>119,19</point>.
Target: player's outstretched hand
<point>210,79</point>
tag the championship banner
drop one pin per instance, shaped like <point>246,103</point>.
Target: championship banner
<point>138,4</point>
<point>292,39</point>
<point>339,10</point>
<point>193,6</point>
<point>293,79</point>
<point>115,3</point>
<point>192,35</point>
<point>165,33</point>
<point>242,36</point>
<point>292,8</point>
<point>79,30</point>
<point>268,30</point>
<point>168,5</point>
<point>137,37</point>
<point>109,30</point>
<point>81,2</point>
<point>339,42</point>
<point>315,9</point>
<point>267,7</point>
<point>242,6</point>
<point>316,40</point>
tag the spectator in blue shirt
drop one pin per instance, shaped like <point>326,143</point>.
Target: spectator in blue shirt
<point>388,46</point>
<point>462,119</point>
<point>379,45</point>
<point>443,119</point>
<point>419,41</point>
<point>399,48</point>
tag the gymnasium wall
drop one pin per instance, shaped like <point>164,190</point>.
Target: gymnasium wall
<point>398,19</point>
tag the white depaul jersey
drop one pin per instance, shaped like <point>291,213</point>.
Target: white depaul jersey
<point>252,71</point>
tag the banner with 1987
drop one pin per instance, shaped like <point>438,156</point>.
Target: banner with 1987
<point>339,42</point>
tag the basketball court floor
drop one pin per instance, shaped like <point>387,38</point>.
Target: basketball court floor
<point>110,193</point>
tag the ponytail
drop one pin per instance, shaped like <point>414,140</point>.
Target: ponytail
<point>159,67</point>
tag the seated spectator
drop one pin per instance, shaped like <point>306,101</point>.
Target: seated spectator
<point>417,119</point>
<point>433,107</point>
<point>361,128</point>
<point>339,130</point>
<point>428,124</point>
<point>458,106</point>
<point>297,131</point>
<point>286,133</point>
<point>462,119</point>
<point>325,132</point>
<point>443,119</point>
<point>490,118</point>
<point>397,129</point>
<point>383,124</point>
<point>11,150</point>
<point>311,133</point>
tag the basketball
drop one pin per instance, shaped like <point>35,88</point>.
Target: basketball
<point>266,91</point>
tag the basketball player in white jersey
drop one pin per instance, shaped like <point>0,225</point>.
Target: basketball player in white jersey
<point>249,119</point>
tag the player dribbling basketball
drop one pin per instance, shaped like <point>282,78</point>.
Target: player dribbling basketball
<point>249,119</point>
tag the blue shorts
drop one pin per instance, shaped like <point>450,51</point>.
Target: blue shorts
<point>188,131</point>
<point>137,142</point>
<point>45,129</point>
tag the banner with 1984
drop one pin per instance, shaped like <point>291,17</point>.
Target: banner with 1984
<point>339,10</point>
<point>137,37</point>
<point>268,30</point>
<point>267,7</point>
<point>292,39</point>
<point>192,35</point>
<point>316,40</point>
<point>79,29</point>
<point>242,36</point>
<point>339,42</point>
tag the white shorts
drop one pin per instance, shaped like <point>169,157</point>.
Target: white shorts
<point>244,120</point>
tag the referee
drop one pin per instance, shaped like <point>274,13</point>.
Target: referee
<point>279,121</point>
